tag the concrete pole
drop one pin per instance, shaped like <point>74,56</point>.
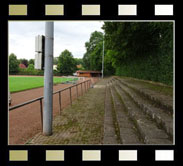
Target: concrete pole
<point>48,79</point>
<point>103,59</point>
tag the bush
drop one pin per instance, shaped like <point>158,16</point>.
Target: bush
<point>30,67</point>
<point>29,71</point>
<point>157,68</point>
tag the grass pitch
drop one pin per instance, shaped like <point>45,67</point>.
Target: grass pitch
<point>20,83</point>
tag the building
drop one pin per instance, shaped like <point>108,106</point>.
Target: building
<point>22,66</point>
<point>89,73</point>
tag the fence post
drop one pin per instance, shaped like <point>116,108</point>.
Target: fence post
<point>60,102</point>
<point>41,111</point>
<point>77,90</point>
<point>85,86</point>
<point>70,96</point>
<point>81,89</point>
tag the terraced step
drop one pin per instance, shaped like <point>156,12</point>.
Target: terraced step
<point>162,100</point>
<point>147,127</point>
<point>127,130</point>
<point>164,120</point>
<point>110,136</point>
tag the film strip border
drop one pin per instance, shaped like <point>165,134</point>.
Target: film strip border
<point>89,155</point>
<point>91,10</point>
<point>99,155</point>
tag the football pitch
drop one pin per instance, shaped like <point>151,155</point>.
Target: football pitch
<point>20,83</point>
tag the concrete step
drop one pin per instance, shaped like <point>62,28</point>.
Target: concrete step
<point>147,127</point>
<point>110,136</point>
<point>161,100</point>
<point>164,120</point>
<point>127,130</point>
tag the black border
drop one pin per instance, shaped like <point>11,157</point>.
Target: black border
<point>73,153</point>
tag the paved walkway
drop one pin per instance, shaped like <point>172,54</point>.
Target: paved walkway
<point>81,123</point>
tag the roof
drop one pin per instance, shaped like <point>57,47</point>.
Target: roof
<point>22,66</point>
<point>87,71</point>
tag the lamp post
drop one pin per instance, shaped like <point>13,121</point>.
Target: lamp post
<point>103,59</point>
<point>48,79</point>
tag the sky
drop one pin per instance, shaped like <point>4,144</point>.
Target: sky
<point>70,35</point>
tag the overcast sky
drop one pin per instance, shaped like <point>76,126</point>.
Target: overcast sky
<point>70,35</point>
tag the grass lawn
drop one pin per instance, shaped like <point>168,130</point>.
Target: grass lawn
<point>17,84</point>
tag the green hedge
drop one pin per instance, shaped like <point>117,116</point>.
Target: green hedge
<point>157,68</point>
<point>33,72</point>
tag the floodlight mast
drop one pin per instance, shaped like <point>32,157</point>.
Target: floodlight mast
<point>103,59</point>
<point>48,79</point>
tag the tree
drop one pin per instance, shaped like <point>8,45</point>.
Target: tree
<point>55,60</point>
<point>129,40</point>
<point>108,67</point>
<point>92,59</point>
<point>31,61</point>
<point>79,61</point>
<point>24,61</point>
<point>30,67</point>
<point>86,61</point>
<point>66,63</point>
<point>140,49</point>
<point>13,64</point>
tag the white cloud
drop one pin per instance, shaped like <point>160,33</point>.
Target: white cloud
<point>70,35</point>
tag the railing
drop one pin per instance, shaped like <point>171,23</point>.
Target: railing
<point>86,83</point>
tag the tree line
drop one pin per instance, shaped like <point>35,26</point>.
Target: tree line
<point>14,63</point>
<point>142,50</point>
<point>66,65</point>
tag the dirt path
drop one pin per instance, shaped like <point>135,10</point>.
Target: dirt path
<point>25,122</point>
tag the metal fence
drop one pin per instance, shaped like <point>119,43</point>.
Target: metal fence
<point>86,83</point>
